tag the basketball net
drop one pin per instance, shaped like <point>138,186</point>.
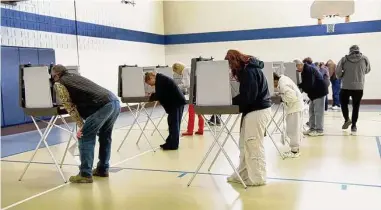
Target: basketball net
<point>331,20</point>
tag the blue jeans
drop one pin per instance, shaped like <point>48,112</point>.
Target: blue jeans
<point>316,111</point>
<point>101,123</point>
<point>336,92</point>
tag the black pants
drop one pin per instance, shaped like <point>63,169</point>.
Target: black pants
<point>214,118</point>
<point>356,96</point>
<point>174,123</point>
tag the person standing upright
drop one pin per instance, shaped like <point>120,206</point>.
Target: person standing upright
<point>184,86</point>
<point>352,69</point>
<point>335,82</point>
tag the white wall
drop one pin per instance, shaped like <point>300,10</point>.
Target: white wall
<point>182,17</point>
<point>98,58</point>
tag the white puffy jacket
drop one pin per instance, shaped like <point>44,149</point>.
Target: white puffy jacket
<point>290,95</point>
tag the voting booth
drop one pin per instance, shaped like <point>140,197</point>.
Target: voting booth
<point>216,99</point>
<point>133,91</point>
<point>37,99</point>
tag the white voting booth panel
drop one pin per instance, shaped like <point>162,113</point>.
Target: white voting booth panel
<point>290,71</point>
<point>278,67</point>
<point>269,74</point>
<point>133,82</point>
<point>213,95</point>
<point>167,71</point>
<point>37,87</point>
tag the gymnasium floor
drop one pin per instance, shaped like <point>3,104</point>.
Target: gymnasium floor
<point>336,171</point>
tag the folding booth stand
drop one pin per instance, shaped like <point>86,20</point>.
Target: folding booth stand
<point>36,99</point>
<point>131,91</point>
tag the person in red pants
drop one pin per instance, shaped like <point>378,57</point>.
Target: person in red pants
<point>184,85</point>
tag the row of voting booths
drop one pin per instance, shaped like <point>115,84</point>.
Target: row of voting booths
<point>37,98</point>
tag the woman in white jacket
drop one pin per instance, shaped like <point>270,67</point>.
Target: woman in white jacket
<point>293,99</point>
<point>184,85</point>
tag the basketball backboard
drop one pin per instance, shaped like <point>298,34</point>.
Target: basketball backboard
<point>321,9</point>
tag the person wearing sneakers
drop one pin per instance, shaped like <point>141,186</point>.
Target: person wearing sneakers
<point>254,103</point>
<point>313,84</point>
<point>172,100</point>
<point>293,99</point>
<point>95,110</point>
<point>335,82</point>
<point>352,69</point>
<point>323,69</point>
<point>184,85</point>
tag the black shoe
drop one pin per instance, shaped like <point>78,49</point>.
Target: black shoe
<point>168,147</point>
<point>99,173</point>
<point>354,130</point>
<point>346,124</point>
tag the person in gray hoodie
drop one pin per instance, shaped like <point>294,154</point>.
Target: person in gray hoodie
<point>351,70</point>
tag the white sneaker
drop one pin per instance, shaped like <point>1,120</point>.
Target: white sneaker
<point>315,133</point>
<point>307,132</point>
<point>290,154</point>
<point>336,108</point>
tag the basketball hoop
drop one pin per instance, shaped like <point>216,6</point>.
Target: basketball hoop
<point>332,20</point>
<point>332,12</point>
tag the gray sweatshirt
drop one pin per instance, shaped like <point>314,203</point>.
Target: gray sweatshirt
<point>351,70</point>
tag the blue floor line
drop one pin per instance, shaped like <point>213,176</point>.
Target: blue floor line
<point>344,185</point>
<point>379,145</point>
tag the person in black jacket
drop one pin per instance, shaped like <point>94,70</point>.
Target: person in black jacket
<point>172,99</point>
<point>313,84</point>
<point>254,103</point>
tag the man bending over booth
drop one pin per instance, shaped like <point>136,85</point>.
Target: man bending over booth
<point>172,99</point>
<point>95,110</point>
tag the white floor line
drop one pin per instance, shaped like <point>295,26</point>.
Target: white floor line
<point>62,185</point>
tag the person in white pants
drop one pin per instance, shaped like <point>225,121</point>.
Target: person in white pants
<point>293,100</point>
<point>254,103</point>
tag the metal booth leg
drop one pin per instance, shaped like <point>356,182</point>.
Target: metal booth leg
<point>150,119</point>
<point>216,136</point>
<point>226,139</point>
<point>133,123</point>
<point>43,140</point>
<point>72,136</point>
<point>161,118</point>
<point>137,122</point>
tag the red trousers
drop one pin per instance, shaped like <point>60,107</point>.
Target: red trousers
<point>191,120</point>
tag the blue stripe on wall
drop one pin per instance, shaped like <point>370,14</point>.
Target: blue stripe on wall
<point>30,21</point>
<point>24,20</point>
<point>274,33</point>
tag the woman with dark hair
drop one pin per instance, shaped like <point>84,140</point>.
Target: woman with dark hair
<point>255,105</point>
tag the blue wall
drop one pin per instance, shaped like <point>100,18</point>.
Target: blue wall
<point>12,58</point>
